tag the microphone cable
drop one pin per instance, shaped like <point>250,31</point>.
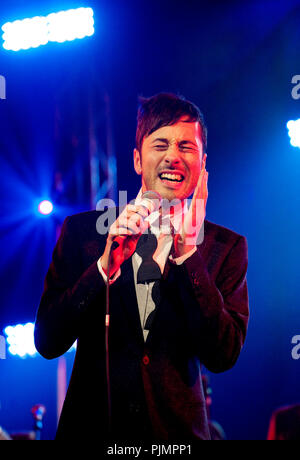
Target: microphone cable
<point>107,321</point>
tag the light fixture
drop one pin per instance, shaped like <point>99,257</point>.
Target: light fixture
<point>20,340</point>
<point>45,207</point>
<point>293,127</point>
<point>56,27</point>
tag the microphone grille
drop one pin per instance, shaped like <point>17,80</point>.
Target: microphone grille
<point>154,197</point>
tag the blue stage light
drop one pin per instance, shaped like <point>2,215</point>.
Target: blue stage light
<point>20,339</point>
<point>56,27</point>
<point>45,207</point>
<point>293,127</point>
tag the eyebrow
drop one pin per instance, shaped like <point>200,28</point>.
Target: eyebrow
<point>166,141</point>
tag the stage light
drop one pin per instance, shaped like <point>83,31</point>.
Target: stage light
<point>20,339</point>
<point>45,207</point>
<point>56,27</point>
<point>293,127</point>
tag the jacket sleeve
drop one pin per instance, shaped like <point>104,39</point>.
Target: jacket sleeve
<point>217,311</point>
<point>68,291</point>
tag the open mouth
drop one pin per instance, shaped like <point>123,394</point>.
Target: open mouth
<point>171,177</point>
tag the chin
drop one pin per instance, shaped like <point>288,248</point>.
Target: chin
<point>167,193</point>
<point>171,195</point>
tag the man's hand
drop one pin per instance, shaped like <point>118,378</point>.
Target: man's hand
<point>186,240</point>
<point>128,227</point>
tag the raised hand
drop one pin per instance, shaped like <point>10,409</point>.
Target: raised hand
<point>194,218</point>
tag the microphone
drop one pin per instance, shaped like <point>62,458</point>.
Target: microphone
<point>150,200</point>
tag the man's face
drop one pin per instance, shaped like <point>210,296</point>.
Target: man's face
<point>170,160</point>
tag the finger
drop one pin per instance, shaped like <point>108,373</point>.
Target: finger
<point>202,177</point>
<point>197,190</point>
<point>122,227</point>
<point>130,219</point>
<point>204,193</point>
<point>203,165</point>
<point>133,215</point>
<point>141,210</point>
<point>135,220</point>
<point>120,231</point>
<point>145,224</point>
<point>199,197</point>
<point>132,227</point>
<point>204,184</point>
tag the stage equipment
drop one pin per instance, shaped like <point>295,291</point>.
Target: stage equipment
<point>55,27</point>
<point>20,339</point>
<point>45,207</point>
<point>293,127</point>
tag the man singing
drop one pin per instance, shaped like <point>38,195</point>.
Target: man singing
<point>177,295</point>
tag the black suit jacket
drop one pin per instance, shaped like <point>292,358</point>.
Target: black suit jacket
<point>156,388</point>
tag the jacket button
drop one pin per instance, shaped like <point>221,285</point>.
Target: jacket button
<point>146,360</point>
<point>195,279</point>
<point>134,408</point>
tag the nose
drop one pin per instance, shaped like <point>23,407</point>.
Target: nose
<point>172,156</point>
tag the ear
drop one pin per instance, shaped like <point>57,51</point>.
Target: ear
<point>137,161</point>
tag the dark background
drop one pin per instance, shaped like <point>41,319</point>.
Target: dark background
<point>235,60</point>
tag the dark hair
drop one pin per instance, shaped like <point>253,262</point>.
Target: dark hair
<point>165,109</point>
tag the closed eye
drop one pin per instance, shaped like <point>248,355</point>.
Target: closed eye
<point>161,147</point>
<point>186,149</point>
<point>187,146</point>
